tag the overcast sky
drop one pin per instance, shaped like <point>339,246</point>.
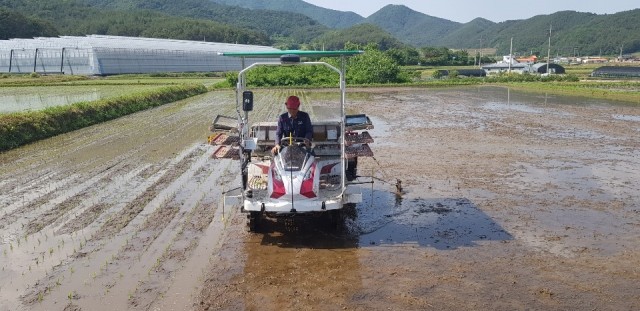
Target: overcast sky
<point>495,10</point>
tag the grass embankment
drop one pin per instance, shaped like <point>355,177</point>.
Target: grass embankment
<point>22,80</point>
<point>17,129</point>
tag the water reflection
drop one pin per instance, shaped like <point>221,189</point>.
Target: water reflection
<point>17,99</point>
<point>24,102</point>
<point>384,218</point>
<point>441,223</point>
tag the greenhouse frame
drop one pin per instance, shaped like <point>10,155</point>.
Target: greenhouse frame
<point>112,55</point>
<point>553,68</point>
<point>617,72</point>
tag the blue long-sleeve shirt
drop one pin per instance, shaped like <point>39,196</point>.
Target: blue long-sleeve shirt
<point>298,127</point>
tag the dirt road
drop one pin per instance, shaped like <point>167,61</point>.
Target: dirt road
<point>512,202</point>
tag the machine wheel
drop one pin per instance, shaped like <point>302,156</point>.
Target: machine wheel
<point>336,219</point>
<point>351,170</point>
<point>253,221</point>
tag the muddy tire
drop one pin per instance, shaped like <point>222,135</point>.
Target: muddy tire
<point>253,221</point>
<point>351,170</point>
<point>336,219</point>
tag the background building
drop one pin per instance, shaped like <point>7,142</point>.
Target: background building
<point>111,55</point>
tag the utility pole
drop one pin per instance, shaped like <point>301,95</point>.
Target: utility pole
<point>621,47</point>
<point>480,61</point>
<point>549,50</point>
<point>510,55</point>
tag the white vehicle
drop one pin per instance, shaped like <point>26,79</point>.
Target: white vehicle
<point>299,180</point>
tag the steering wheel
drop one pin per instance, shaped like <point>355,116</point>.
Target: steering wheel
<point>298,141</point>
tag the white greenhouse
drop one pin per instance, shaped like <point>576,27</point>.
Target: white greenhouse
<point>112,55</point>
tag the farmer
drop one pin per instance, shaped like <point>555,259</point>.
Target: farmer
<point>294,123</point>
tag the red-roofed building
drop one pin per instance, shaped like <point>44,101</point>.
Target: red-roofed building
<point>530,59</point>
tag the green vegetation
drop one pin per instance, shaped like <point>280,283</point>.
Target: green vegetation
<point>22,80</point>
<point>264,21</point>
<point>287,76</point>
<point>443,56</point>
<point>372,67</point>
<point>361,35</point>
<point>327,17</point>
<point>17,129</point>
<point>295,24</point>
<point>73,18</point>
<point>414,28</point>
<point>377,68</point>
<point>16,25</point>
<point>526,77</point>
<point>573,33</point>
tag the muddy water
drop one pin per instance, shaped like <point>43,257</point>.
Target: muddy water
<point>511,201</point>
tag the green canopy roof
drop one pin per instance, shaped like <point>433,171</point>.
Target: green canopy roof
<point>277,54</point>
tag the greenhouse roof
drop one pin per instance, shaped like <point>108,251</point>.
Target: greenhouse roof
<point>111,55</point>
<point>103,41</point>
<point>278,53</point>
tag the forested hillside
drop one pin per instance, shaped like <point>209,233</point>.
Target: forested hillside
<point>571,33</point>
<point>412,27</point>
<point>533,34</point>
<point>72,18</point>
<point>16,25</point>
<point>299,27</point>
<point>327,17</point>
<point>359,34</point>
<point>273,23</point>
<point>470,35</point>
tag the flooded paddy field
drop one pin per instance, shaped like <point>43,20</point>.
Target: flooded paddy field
<point>512,201</point>
<point>24,98</point>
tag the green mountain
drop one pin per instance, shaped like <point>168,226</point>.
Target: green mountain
<point>359,34</point>
<point>532,35</point>
<point>572,32</point>
<point>412,27</point>
<point>327,17</point>
<point>268,21</point>
<point>604,34</point>
<point>15,25</point>
<point>74,18</point>
<point>468,35</point>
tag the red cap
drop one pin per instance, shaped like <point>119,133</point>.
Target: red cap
<point>293,102</point>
